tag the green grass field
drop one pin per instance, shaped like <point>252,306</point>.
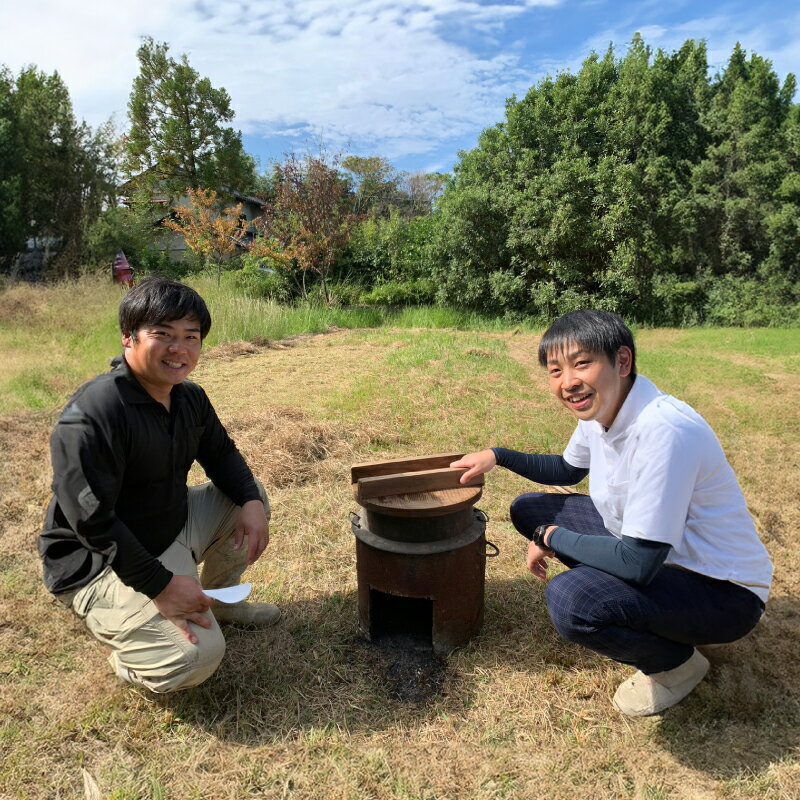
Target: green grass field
<point>309,710</point>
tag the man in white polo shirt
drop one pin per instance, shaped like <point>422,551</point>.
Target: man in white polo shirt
<point>663,552</point>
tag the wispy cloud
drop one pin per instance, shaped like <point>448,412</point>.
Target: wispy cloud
<point>386,73</point>
<point>721,31</point>
<point>395,77</point>
<point>400,74</point>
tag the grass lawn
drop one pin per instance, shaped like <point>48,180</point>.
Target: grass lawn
<point>310,710</point>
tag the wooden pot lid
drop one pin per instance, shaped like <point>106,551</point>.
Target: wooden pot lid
<point>414,487</point>
<point>425,504</point>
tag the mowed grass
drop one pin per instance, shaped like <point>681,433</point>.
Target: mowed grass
<point>308,709</point>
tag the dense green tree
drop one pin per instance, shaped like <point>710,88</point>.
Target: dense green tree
<point>57,173</point>
<point>780,270</point>
<point>629,186</point>
<point>178,138</point>
<point>736,183</point>
<point>13,228</point>
<point>469,242</point>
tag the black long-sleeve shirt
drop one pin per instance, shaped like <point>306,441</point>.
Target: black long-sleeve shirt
<point>635,560</point>
<point>120,463</point>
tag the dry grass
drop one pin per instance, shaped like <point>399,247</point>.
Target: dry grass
<point>306,711</point>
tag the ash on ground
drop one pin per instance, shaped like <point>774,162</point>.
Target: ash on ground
<point>414,673</point>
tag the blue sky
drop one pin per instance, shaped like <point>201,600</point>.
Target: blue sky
<point>409,80</point>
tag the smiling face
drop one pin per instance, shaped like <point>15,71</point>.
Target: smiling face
<point>588,384</point>
<point>162,355</point>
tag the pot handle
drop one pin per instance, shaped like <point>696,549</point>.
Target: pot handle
<point>496,549</point>
<point>355,520</point>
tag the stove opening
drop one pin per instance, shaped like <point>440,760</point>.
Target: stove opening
<point>401,621</point>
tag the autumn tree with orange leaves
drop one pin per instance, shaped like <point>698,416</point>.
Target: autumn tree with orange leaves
<point>308,222</point>
<point>208,229</point>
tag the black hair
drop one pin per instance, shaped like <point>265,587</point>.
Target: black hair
<point>592,330</point>
<point>155,300</point>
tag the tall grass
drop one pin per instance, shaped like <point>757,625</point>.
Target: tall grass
<point>238,317</point>
<point>54,337</point>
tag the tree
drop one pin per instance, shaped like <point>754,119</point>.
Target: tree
<point>739,178</point>
<point>307,223</point>
<point>379,188</point>
<point>783,222</point>
<point>631,185</point>
<point>13,227</point>
<point>423,189</point>
<point>57,174</point>
<point>377,184</point>
<point>178,139</point>
<point>208,230</point>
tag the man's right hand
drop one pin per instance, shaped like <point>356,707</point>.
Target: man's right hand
<point>477,463</point>
<point>182,601</point>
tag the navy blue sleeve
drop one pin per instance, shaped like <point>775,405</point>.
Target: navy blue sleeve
<point>634,560</point>
<point>550,470</point>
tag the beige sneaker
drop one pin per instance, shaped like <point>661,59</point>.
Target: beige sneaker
<point>257,615</point>
<point>642,695</point>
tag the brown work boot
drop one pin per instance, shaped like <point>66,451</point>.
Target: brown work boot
<point>642,695</point>
<point>255,615</point>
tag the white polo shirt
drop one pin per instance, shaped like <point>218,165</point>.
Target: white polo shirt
<point>659,473</point>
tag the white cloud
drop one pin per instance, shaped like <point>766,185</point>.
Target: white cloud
<point>779,43</point>
<point>398,77</point>
<point>377,71</point>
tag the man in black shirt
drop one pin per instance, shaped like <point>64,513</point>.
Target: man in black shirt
<point>123,533</point>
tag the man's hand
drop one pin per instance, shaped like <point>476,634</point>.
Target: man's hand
<point>182,601</point>
<point>252,523</point>
<point>476,463</point>
<point>537,555</point>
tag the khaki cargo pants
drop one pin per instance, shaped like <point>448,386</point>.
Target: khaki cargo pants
<point>147,649</point>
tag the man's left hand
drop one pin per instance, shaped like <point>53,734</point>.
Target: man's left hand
<point>537,555</point>
<point>252,523</point>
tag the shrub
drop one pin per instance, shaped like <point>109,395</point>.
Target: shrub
<point>256,278</point>
<point>678,303</point>
<point>401,293</point>
<point>345,293</point>
<point>392,249</point>
<point>745,302</point>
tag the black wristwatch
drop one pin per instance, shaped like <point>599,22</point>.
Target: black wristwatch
<point>538,537</point>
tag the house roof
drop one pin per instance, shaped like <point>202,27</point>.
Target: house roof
<point>246,198</point>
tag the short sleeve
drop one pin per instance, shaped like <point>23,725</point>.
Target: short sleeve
<point>577,452</point>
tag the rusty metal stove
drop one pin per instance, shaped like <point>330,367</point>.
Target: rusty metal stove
<point>420,551</point>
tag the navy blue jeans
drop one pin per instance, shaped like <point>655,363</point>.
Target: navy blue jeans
<point>653,627</point>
